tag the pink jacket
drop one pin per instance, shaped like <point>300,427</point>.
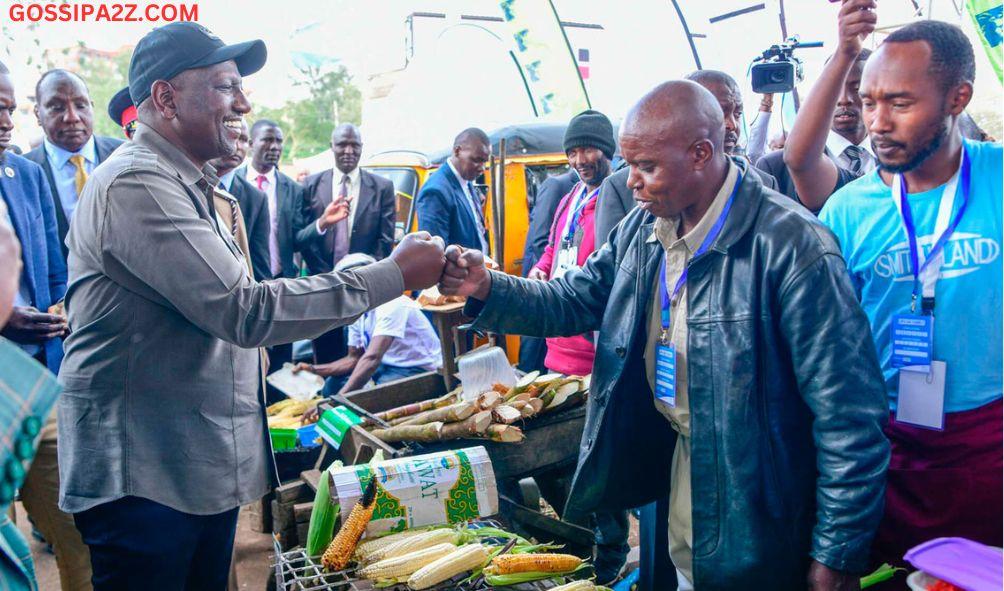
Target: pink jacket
<point>570,355</point>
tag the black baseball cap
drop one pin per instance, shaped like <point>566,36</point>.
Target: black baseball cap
<point>167,51</point>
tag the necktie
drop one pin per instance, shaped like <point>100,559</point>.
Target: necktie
<point>855,159</point>
<point>341,238</point>
<point>80,176</point>
<point>262,179</point>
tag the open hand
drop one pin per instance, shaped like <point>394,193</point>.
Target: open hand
<point>420,258</point>
<point>465,273</point>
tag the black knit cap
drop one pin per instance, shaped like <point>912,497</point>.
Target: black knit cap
<point>590,129</point>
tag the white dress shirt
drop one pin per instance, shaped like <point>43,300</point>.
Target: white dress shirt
<point>268,187</point>
<point>473,202</point>
<point>336,188</point>
<point>837,143</point>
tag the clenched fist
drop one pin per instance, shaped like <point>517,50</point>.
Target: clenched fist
<point>420,258</point>
<point>465,273</point>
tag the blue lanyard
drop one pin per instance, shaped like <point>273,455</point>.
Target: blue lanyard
<point>668,298</point>
<point>911,230</point>
<point>575,214</point>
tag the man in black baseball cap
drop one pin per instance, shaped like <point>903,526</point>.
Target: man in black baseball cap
<point>169,321</point>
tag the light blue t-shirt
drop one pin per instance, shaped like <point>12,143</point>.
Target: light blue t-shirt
<point>968,310</point>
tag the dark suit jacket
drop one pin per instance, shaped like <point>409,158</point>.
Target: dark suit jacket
<point>254,210</point>
<point>289,197</point>
<point>104,146</point>
<point>542,215</point>
<point>30,206</point>
<point>372,224</point>
<point>443,210</point>
<point>773,164</point>
<point>616,199</point>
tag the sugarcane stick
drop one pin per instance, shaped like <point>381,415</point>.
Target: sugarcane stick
<point>473,426</point>
<point>447,414</point>
<point>524,397</point>
<point>517,404</point>
<point>536,404</point>
<point>521,385</point>
<point>489,400</point>
<point>414,408</point>
<point>505,414</point>
<point>504,434</point>
<point>422,433</point>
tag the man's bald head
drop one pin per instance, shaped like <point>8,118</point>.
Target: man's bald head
<point>679,112</point>
<point>673,141</point>
<point>730,100</point>
<point>471,151</point>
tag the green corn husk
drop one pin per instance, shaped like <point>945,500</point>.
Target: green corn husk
<point>883,573</point>
<point>529,577</point>
<point>322,517</point>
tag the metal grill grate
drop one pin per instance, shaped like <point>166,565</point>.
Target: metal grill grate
<point>295,571</point>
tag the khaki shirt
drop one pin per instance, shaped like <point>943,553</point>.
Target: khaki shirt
<point>679,251</point>
<point>162,376</point>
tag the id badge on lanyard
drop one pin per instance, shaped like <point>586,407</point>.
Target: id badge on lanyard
<point>921,393</point>
<point>665,350</point>
<point>568,248</point>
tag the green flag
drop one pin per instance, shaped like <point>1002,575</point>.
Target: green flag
<point>987,16</point>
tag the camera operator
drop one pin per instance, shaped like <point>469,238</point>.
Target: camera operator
<point>830,121</point>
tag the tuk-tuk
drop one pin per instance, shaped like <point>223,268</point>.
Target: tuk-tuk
<point>532,152</point>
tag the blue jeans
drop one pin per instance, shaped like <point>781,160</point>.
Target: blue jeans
<point>384,373</point>
<point>136,543</point>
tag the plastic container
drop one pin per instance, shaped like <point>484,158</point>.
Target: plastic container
<point>308,436</point>
<point>283,439</point>
<point>961,562</point>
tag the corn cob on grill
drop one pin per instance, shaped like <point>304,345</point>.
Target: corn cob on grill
<point>336,557</point>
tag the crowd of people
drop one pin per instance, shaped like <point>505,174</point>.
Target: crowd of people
<point>759,323</point>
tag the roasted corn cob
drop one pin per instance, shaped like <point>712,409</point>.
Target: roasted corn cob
<point>544,563</point>
<point>408,545</point>
<point>459,561</point>
<point>403,566</point>
<point>336,557</point>
<point>367,547</point>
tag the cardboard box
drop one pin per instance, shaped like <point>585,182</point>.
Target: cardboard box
<point>444,487</point>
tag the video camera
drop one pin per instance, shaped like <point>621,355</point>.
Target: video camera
<point>780,69</point>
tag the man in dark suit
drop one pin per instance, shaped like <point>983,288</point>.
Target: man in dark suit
<point>369,227</point>
<point>70,151</point>
<point>330,234</point>
<point>29,205</point>
<point>254,205</point>
<point>449,206</point>
<point>285,197</point>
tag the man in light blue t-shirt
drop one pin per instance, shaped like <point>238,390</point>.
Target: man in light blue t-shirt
<point>946,469</point>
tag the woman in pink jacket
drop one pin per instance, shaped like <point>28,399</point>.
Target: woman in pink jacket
<point>589,145</point>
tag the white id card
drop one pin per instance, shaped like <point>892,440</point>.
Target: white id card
<point>568,259</point>
<point>921,400</point>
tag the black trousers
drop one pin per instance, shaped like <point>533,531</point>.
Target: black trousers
<point>331,345</point>
<point>137,544</point>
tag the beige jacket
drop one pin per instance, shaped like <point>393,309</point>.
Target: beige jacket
<point>161,377</point>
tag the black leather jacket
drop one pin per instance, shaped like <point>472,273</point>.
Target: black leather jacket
<point>786,397</point>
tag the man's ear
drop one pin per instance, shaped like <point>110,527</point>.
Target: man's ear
<point>38,117</point>
<point>702,152</point>
<point>959,97</point>
<point>164,98</point>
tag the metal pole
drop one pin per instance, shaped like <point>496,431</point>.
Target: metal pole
<point>686,31</point>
